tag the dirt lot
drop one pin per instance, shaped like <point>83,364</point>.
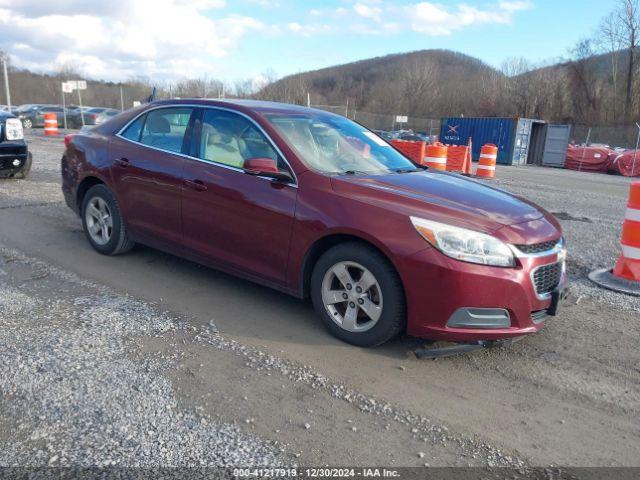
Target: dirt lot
<point>147,359</point>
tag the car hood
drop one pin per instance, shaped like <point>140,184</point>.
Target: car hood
<point>443,197</point>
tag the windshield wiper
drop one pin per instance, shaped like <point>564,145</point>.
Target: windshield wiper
<point>407,170</point>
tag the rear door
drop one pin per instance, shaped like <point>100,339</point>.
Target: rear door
<point>148,158</point>
<point>230,217</point>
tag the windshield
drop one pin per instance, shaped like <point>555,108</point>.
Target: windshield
<point>333,144</point>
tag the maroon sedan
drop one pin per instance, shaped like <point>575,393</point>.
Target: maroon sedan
<point>317,206</point>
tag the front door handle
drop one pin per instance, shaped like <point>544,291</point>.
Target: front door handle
<point>196,185</point>
<point>122,162</point>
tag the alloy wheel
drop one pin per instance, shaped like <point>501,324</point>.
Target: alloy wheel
<point>352,296</point>
<point>99,221</point>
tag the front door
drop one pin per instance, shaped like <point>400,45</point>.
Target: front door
<point>228,216</point>
<point>147,169</point>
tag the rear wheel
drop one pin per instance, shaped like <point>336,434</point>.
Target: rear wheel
<point>103,223</point>
<point>358,295</point>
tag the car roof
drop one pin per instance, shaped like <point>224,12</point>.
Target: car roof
<point>260,106</point>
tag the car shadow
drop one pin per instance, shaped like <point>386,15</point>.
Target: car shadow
<point>243,308</point>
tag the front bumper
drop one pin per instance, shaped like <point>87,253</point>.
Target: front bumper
<point>10,151</point>
<point>437,287</point>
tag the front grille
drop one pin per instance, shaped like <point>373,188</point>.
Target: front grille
<point>547,278</point>
<point>538,247</point>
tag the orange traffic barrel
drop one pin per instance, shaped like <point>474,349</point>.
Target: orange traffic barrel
<point>436,156</point>
<point>487,163</point>
<point>50,124</point>
<point>628,265</point>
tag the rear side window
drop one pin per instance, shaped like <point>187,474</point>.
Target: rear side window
<point>165,128</point>
<point>133,131</point>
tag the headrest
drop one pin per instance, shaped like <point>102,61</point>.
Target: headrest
<point>158,125</point>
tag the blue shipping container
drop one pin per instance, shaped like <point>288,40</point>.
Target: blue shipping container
<point>512,136</point>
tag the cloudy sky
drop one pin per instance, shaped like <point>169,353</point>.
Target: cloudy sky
<point>231,39</point>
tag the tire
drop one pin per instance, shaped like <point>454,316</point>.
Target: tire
<point>387,293</point>
<point>27,123</point>
<point>116,241</point>
<point>26,168</point>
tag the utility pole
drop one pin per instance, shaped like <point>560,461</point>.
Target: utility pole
<point>64,107</point>
<point>81,111</point>
<point>121,99</point>
<point>635,152</point>
<point>6,83</point>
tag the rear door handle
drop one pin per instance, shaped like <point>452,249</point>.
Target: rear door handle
<point>196,185</point>
<point>123,162</point>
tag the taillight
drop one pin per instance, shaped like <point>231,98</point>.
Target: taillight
<point>68,139</point>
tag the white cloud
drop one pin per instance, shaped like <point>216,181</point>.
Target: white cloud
<point>386,17</point>
<point>437,19</point>
<point>368,11</point>
<point>308,30</point>
<point>120,38</point>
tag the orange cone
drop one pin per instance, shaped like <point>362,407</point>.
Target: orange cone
<point>628,265</point>
<point>468,160</point>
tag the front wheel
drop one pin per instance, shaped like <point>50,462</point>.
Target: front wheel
<point>103,223</point>
<point>358,295</point>
<point>27,123</point>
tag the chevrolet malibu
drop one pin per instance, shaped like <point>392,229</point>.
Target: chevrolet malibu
<point>317,206</point>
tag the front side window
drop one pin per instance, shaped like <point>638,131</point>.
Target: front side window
<point>230,139</point>
<point>333,144</point>
<point>165,128</point>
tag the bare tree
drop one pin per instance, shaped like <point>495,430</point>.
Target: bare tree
<point>610,41</point>
<point>628,14</point>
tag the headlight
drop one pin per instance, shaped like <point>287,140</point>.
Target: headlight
<point>13,129</point>
<point>465,245</point>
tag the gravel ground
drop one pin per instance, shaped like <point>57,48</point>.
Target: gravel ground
<point>72,392</point>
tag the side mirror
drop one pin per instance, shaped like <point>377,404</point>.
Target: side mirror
<point>265,167</point>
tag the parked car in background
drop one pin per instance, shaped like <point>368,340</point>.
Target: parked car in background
<point>96,116</point>
<point>412,137</point>
<point>383,134</point>
<point>33,116</point>
<point>15,159</point>
<point>74,116</point>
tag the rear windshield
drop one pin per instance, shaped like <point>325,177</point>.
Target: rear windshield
<point>334,144</point>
